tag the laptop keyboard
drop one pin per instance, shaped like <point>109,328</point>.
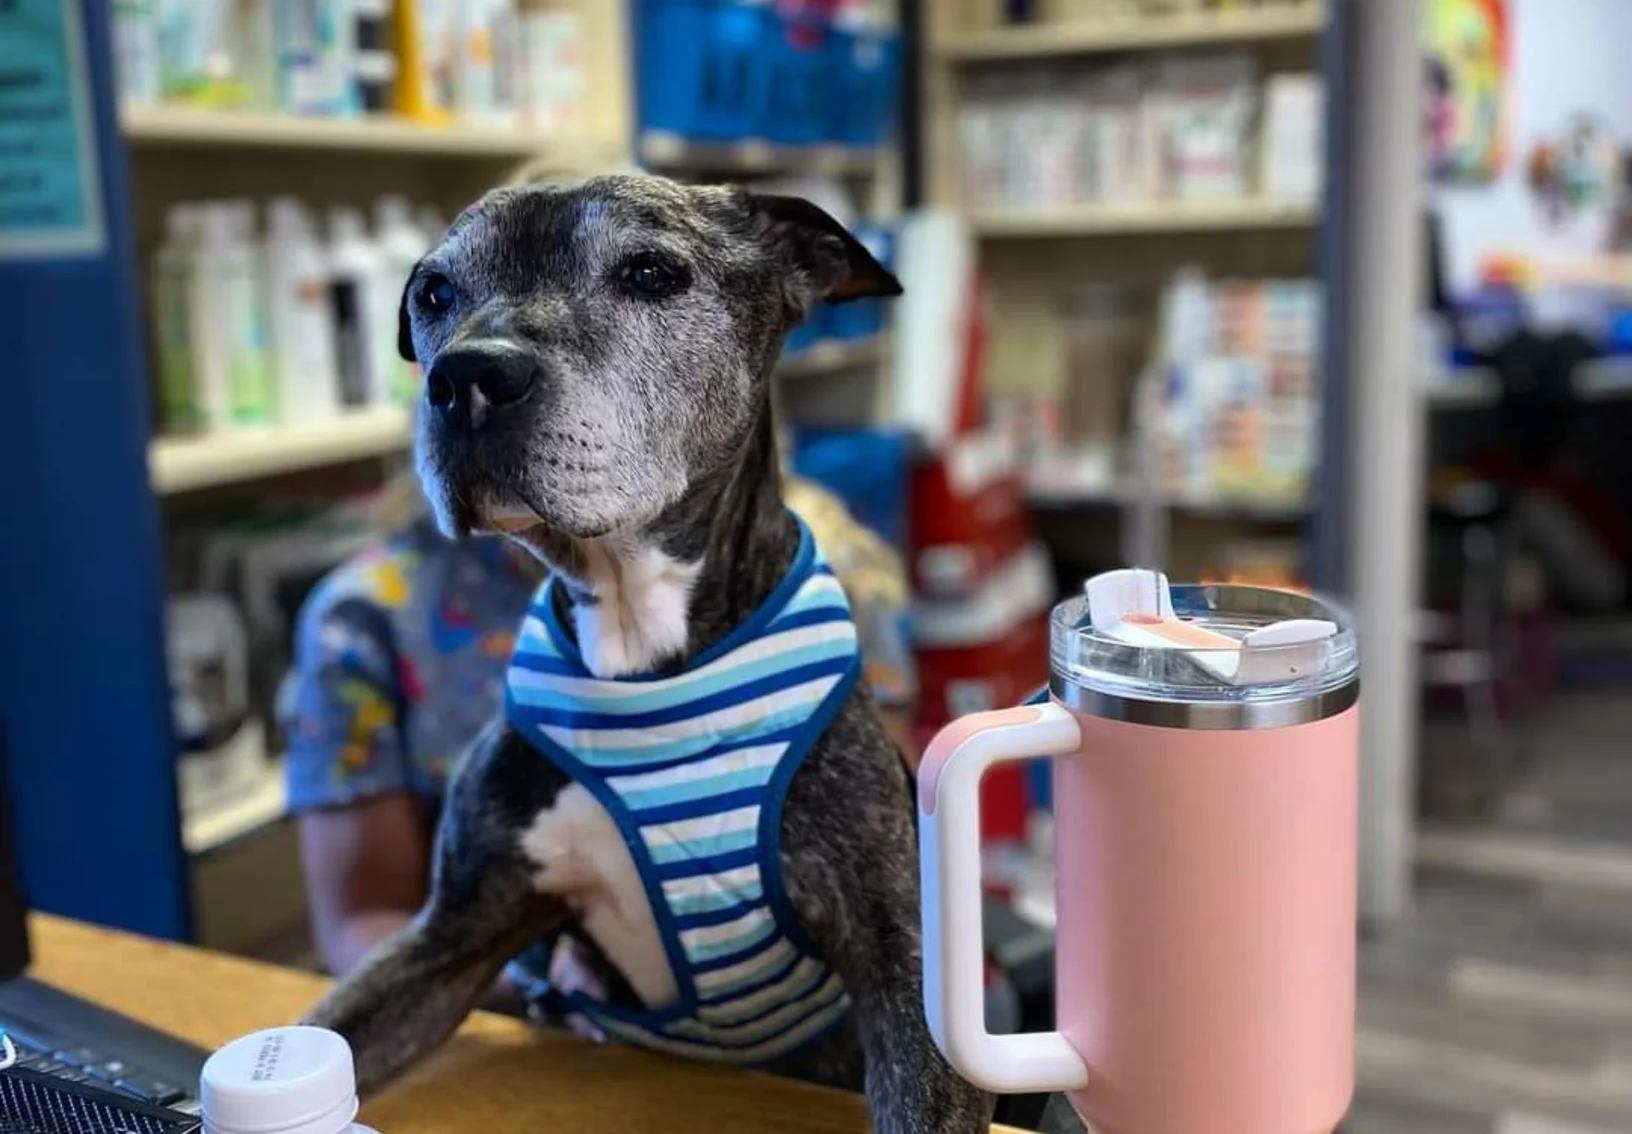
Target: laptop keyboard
<point>77,1064</point>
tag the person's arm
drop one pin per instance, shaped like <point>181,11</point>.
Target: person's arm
<point>366,867</point>
<point>364,837</point>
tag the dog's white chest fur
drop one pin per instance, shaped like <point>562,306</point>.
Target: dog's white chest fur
<point>581,856</point>
<point>638,616</point>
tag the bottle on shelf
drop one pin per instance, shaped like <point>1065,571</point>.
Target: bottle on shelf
<point>432,223</point>
<point>310,49</point>
<point>136,50</point>
<point>373,61</point>
<point>226,321</point>
<point>172,281</point>
<point>402,243</point>
<point>487,61</point>
<point>427,39</point>
<point>299,317</point>
<point>362,344</point>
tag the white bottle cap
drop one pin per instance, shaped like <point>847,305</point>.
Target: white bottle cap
<point>295,1080</point>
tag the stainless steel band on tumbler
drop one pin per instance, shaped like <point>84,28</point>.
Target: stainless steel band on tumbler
<point>1218,715</point>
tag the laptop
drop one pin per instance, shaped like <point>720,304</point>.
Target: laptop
<point>68,1066</point>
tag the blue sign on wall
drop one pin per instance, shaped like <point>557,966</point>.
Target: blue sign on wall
<point>48,203</point>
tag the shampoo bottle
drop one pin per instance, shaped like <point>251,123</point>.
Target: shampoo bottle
<point>401,244</point>
<point>225,322</point>
<point>299,319</point>
<point>354,286</point>
<point>172,280</point>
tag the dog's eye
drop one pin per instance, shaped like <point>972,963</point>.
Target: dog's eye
<point>650,278</point>
<point>436,293</point>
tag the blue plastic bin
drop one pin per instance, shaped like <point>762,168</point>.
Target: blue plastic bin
<point>702,72</point>
<point>865,77</point>
<point>797,54</point>
<point>806,334</point>
<point>868,469</point>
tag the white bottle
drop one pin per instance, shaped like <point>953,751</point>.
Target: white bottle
<point>226,321</point>
<point>281,1081</point>
<point>172,282</point>
<point>488,62</point>
<point>361,342</point>
<point>136,51</point>
<point>300,322</point>
<point>402,244</point>
<point>311,49</point>
<point>432,224</point>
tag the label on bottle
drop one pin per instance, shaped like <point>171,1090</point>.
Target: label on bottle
<point>350,341</point>
<point>249,378</point>
<point>178,398</point>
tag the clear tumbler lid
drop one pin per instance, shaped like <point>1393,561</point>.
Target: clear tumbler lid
<point>1220,657</point>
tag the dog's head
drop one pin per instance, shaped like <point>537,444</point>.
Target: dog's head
<point>591,350</point>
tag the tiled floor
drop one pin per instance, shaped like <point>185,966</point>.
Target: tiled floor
<point>1503,1004</point>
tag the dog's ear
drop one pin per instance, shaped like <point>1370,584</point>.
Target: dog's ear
<point>821,260</point>
<point>405,326</point>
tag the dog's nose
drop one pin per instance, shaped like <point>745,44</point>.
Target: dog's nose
<point>466,381</point>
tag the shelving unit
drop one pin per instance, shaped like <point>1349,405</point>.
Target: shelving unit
<point>667,153</point>
<point>1602,380</point>
<point>833,355</point>
<point>178,153</point>
<point>1159,217</point>
<point>1265,509</point>
<point>185,464</point>
<point>189,464</point>
<point>1033,257</point>
<point>1051,40</point>
<point>178,127</point>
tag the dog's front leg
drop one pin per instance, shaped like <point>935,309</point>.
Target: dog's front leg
<point>411,992</point>
<point>850,865</point>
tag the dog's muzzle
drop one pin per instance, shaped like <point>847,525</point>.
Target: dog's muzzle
<point>470,381</point>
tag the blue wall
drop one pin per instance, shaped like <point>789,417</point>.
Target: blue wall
<point>84,700</point>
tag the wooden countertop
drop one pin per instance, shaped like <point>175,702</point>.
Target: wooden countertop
<point>498,1075</point>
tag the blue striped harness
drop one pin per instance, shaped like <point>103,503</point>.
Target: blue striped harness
<point>693,767</point>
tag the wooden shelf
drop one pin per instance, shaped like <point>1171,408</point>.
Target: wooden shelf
<point>1600,380</point>
<point>186,464</point>
<point>830,356</point>
<point>1124,493</point>
<point>1162,216</point>
<point>156,127</point>
<point>1040,40</point>
<point>670,153</point>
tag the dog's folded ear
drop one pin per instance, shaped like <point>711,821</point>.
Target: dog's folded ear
<point>405,325</point>
<point>821,259</point>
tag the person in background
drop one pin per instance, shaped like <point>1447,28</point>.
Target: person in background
<point>399,661</point>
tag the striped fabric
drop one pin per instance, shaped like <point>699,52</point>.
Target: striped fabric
<point>694,767</point>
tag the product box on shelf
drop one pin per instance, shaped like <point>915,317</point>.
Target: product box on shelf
<point>790,72</point>
<point>865,80</point>
<point>798,90</point>
<point>968,514</point>
<point>702,73</point>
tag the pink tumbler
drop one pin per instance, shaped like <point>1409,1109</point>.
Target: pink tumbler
<point>1205,863</point>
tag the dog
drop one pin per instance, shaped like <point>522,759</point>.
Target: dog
<point>598,357</point>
